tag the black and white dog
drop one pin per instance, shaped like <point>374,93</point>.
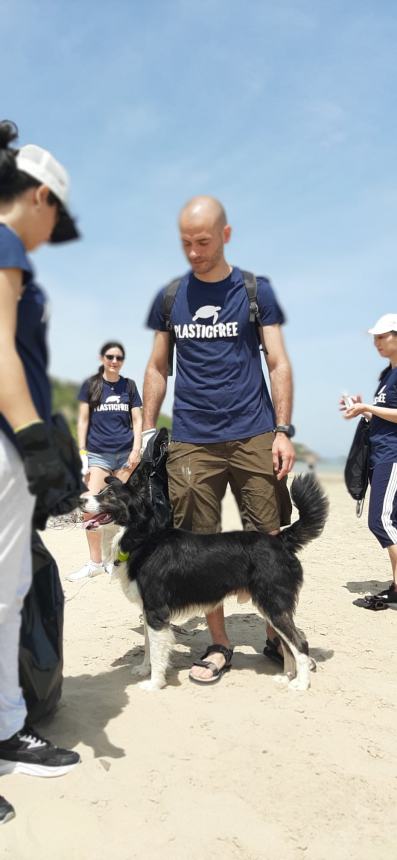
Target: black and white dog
<point>172,573</point>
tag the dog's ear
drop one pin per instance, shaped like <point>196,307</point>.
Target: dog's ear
<point>111,479</point>
<point>139,475</point>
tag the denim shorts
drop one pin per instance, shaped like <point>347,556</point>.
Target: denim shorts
<point>111,461</point>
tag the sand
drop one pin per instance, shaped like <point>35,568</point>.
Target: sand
<point>241,770</point>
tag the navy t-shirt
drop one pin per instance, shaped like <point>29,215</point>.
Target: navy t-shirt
<point>383,434</point>
<point>31,326</point>
<point>220,390</point>
<point>110,425</point>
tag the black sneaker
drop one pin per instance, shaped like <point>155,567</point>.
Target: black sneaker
<point>6,811</point>
<point>27,752</point>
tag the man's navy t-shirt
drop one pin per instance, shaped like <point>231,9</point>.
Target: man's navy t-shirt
<point>220,390</point>
<point>31,326</point>
<point>383,434</point>
<point>110,426</point>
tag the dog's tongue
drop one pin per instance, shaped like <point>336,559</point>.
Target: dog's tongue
<point>96,521</point>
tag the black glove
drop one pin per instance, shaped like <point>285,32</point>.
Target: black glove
<point>42,465</point>
<point>40,517</point>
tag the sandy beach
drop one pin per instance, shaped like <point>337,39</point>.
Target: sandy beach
<point>242,770</point>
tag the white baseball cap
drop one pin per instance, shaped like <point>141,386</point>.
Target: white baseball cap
<point>40,164</point>
<point>386,323</point>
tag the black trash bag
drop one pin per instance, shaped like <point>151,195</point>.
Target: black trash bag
<point>61,500</point>
<point>155,454</point>
<point>41,640</point>
<point>357,465</point>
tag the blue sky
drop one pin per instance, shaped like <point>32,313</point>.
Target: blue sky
<point>286,111</point>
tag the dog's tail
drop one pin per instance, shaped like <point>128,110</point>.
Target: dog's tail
<point>312,505</point>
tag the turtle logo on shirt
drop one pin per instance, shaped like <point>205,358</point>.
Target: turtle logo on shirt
<point>207,311</point>
<point>114,398</point>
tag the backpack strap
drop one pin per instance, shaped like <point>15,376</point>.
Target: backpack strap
<point>168,300</point>
<point>252,290</point>
<point>131,388</point>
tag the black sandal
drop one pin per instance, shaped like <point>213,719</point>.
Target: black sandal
<point>383,600</point>
<point>208,664</point>
<point>271,651</point>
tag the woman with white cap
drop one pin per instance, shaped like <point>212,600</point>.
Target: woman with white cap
<point>382,415</point>
<point>33,211</point>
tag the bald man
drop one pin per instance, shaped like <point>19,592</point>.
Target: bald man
<point>224,421</point>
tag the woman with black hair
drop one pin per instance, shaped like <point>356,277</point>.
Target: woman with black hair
<point>33,211</point>
<point>109,434</point>
<point>382,415</point>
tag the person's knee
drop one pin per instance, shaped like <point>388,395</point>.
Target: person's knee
<point>377,528</point>
<point>259,513</point>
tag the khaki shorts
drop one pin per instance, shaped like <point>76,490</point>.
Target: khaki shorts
<point>199,474</point>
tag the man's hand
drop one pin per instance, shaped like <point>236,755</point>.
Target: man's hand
<point>42,465</point>
<point>283,455</point>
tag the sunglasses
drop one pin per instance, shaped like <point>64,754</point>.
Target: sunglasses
<point>111,357</point>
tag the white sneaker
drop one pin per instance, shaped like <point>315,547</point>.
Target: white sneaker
<point>90,569</point>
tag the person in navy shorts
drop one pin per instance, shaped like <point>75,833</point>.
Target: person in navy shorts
<point>227,427</point>
<point>382,415</point>
<point>33,210</point>
<point>109,435</point>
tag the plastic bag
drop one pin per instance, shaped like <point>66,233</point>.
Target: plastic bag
<point>41,640</point>
<point>155,454</point>
<point>357,465</point>
<point>61,500</point>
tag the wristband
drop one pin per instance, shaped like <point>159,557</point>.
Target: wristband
<point>83,451</point>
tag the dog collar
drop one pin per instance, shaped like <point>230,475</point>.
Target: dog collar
<point>122,556</point>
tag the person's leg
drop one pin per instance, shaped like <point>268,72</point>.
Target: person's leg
<point>263,503</point>
<point>96,483</point>
<point>22,750</point>
<point>392,550</point>
<point>16,509</point>
<point>254,483</point>
<point>197,477</point>
<point>382,514</point>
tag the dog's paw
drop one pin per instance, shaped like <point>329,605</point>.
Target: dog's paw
<point>141,671</point>
<point>150,686</point>
<point>301,684</point>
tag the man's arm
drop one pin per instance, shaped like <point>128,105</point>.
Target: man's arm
<point>83,421</point>
<point>155,381</point>
<point>281,386</point>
